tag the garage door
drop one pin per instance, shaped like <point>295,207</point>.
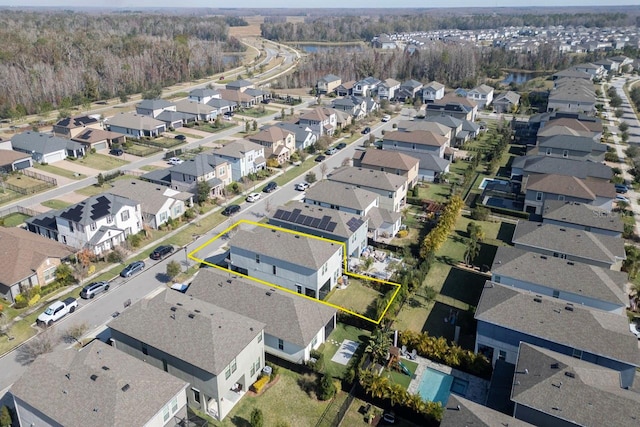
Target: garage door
<point>23,164</point>
<point>54,157</point>
<point>100,146</point>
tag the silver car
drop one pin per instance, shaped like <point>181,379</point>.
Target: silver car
<point>92,289</point>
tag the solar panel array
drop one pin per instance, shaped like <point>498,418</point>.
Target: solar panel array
<point>354,224</point>
<point>296,217</point>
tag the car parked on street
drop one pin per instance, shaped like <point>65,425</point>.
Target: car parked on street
<point>386,118</point>
<point>93,289</point>
<point>341,146</point>
<point>253,197</point>
<point>180,137</point>
<point>620,198</point>
<point>116,151</point>
<point>331,151</point>
<point>320,158</point>
<point>366,130</point>
<point>57,311</point>
<point>301,186</point>
<point>230,210</point>
<point>271,186</point>
<point>133,268</point>
<point>161,252</point>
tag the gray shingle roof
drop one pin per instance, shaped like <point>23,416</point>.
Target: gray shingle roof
<point>41,143</point>
<point>569,241</point>
<point>593,331</point>
<point>429,162</point>
<point>368,178</point>
<point>419,137</point>
<point>95,207</point>
<point>152,197</point>
<point>237,149</point>
<point>203,93</point>
<point>541,164</point>
<point>134,121</point>
<point>154,104</point>
<point>576,143</point>
<point>554,273</point>
<point>379,216</point>
<point>60,386</point>
<point>330,78</point>
<point>340,194</point>
<point>460,412</point>
<point>292,248</point>
<point>590,395</point>
<point>289,317</point>
<point>583,215</point>
<point>200,165</point>
<point>208,339</point>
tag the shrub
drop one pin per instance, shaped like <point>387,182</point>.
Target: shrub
<point>5,416</point>
<point>273,163</point>
<point>257,418</point>
<point>115,256</point>
<point>134,240</point>
<point>311,177</point>
<point>260,383</point>
<point>173,269</point>
<point>611,157</point>
<point>20,301</point>
<point>402,233</point>
<point>327,388</point>
<point>189,214</point>
<point>480,213</point>
<point>275,370</point>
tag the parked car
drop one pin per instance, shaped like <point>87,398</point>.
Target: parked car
<point>180,137</point>
<point>341,146</point>
<point>93,289</point>
<point>253,197</point>
<point>272,186</point>
<point>230,210</point>
<point>266,100</point>
<point>57,311</point>
<point>366,130</point>
<point>620,198</point>
<point>301,186</point>
<point>175,161</point>
<point>228,113</point>
<point>161,252</point>
<point>621,188</point>
<point>132,269</point>
<point>320,158</point>
<point>116,151</point>
<point>386,118</point>
<point>331,151</point>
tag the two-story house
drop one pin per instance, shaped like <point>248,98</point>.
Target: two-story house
<point>136,125</point>
<point>481,95</point>
<point>541,188</point>
<point>304,135</point>
<point>222,105</point>
<point>97,385</point>
<point>304,264</point>
<point>70,127</point>
<point>541,164</point>
<point>354,105</point>
<point>153,107</point>
<point>278,143</point>
<point>391,188</point>
<point>388,88</point>
<point>395,162</point>
<point>203,95</point>
<point>321,120</point>
<point>574,282</point>
<point>416,141</point>
<point>351,229</point>
<point>294,326</point>
<point>28,260</point>
<point>452,105</point>
<point>220,353</point>
<point>506,102</point>
<point>432,92</point>
<point>570,244</point>
<point>572,95</point>
<point>328,84</point>
<point>583,217</point>
<point>408,90</point>
<point>571,127</point>
<point>429,125</point>
<point>366,87</point>
<point>98,223</point>
<point>244,156</point>
<point>240,85</point>
<point>345,88</point>
<point>571,147</point>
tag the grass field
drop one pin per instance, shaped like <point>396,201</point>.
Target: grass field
<point>150,168</point>
<point>401,378</point>
<point>207,127</point>
<point>14,219</point>
<point>25,182</point>
<point>59,171</point>
<point>55,204</point>
<point>92,190</point>
<point>101,162</point>
<point>142,150</point>
<point>356,297</point>
<point>340,333</point>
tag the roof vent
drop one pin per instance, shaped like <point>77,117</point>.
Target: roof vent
<point>555,365</point>
<point>562,229</point>
<point>568,307</point>
<point>570,374</point>
<point>173,308</point>
<point>179,303</point>
<point>68,375</point>
<point>196,310</point>
<point>125,387</point>
<point>537,299</point>
<point>191,315</point>
<point>93,377</point>
<point>105,368</point>
<point>268,293</point>
<point>571,263</point>
<point>543,257</point>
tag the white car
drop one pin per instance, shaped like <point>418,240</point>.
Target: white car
<point>175,161</point>
<point>620,198</point>
<point>253,197</point>
<point>301,186</point>
<point>386,118</point>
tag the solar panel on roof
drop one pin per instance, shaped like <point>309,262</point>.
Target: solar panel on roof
<point>294,215</point>
<point>315,223</point>
<point>324,222</point>
<point>332,226</point>
<point>286,215</point>
<point>354,224</point>
<point>308,220</point>
<point>278,214</point>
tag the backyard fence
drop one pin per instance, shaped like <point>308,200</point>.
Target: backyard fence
<point>30,190</point>
<point>18,209</point>
<point>335,412</point>
<point>40,177</point>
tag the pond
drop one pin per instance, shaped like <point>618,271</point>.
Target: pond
<point>520,77</point>
<point>313,48</point>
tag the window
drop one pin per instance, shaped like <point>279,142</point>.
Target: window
<point>253,370</point>
<point>145,350</point>
<point>496,279</point>
<point>64,239</point>
<point>314,342</point>
<point>165,413</point>
<point>234,365</point>
<point>561,197</point>
<point>390,195</point>
<point>260,338</point>
<point>49,275</point>
<point>257,258</point>
<point>556,294</point>
<point>538,196</point>
<point>174,405</point>
<point>565,153</point>
<point>324,269</point>
<point>257,364</point>
<point>71,227</point>
<point>275,270</point>
<point>93,226</point>
<point>109,219</point>
<point>124,215</point>
<point>577,353</point>
<point>280,345</point>
<point>227,372</point>
<point>196,394</point>
<point>299,289</point>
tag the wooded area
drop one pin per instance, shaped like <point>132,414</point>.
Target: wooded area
<point>56,60</point>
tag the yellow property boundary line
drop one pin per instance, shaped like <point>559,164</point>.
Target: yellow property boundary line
<point>192,256</point>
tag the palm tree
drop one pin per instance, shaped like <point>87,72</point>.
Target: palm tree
<point>397,394</point>
<point>379,387</point>
<point>472,251</point>
<point>378,346</point>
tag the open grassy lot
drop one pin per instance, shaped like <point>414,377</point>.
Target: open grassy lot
<point>14,219</point>
<point>296,171</point>
<point>101,162</point>
<point>358,297</point>
<point>141,150</point>
<point>187,134</point>
<point>213,128</point>
<point>55,204</point>
<point>7,195</point>
<point>31,185</point>
<point>59,171</point>
<point>256,112</point>
<point>150,168</point>
<point>328,349</point>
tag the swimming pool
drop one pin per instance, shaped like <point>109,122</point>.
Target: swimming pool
<point>485,181</point>
<point>435,386</point>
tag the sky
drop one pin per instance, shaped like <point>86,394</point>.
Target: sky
<point>137,4</point>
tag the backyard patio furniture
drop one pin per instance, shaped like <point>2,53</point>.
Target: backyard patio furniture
<point>403,351</point>
<point>413,354</point>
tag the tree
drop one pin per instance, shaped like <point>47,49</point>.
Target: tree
<point>472,251</point>
<point>624,126</point>
<point>100,179</point>
<point>247,127</point>
<point>64,274</point>
<point>475,231</point>
<point>75,332</point>
<point>618,113</point>
<point>203,189</point>
<point>257,418</point>
<point>310,177</point>
<point>41,344</point>
<point>378,345</point>
<point>632,263</point>
<point>324,169</point>
<point>327,387</point>
<point>5,416</point>
<point>173,269</point>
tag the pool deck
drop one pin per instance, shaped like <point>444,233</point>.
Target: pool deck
<point>477,389</point>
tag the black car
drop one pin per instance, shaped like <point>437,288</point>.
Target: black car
<point>341,146</point>
<point>270,187</point>
<point>228,113</point>
<point>92,289</point>
<point>132,269</point>
<point>320,158</point>
<point>161,252</point>
<point>230,210</point>
<point>620,188</point>
<point>116,151</point>
<point>366,130</point>
<point>266,100</point>
<point>180,137</point>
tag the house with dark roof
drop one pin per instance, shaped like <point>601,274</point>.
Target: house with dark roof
<point>97,386</point>
<point>459,411</point>
<point>432,92</point>
<point>453,105</point>
<point>571,147</point>
<point>14,161</point>
<point>351,229</point>
<point>462,129</point>
<point>582,217</point>
<point>507,316</point>
<point>321,120</point>
<point>391,188</point>
<point>574,282</point>
<point>243,156</point>
<point>395,162</point>
<point>27,260</point>
<point>408,90</point>
<point>388,89</point>
<point>573,95</point>
<point>153,107</point>
<point>554,389</point>
<point>526,132</point>
<point>294,326</point>
<point>481,95</point>
<point>570,244</point>
<point>98,223</point>
<point>185,177</point>
<point>572,74</point>
<point>219,352</point>
<point>45,148</point>
<point>506,102</point>
<point>99,139</point>
<point>550,187</point>
<point>366,87</point>
<point>69,127</point>
<point>304,135</point>
<point>203,95</point>
<point>304,264</point>
<point>523,166</point>
<point>328,84</point>
<point>354,105</point>
<point>136,125</point>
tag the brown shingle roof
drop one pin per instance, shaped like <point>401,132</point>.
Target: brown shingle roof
<point>423,137</point>
<point>388,159</point>
<point>571,186</point>
<point>10,156</point>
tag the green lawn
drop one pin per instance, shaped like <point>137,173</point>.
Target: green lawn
<point>150,168</point>
<point>19,332</point>
<point>26,182</point>
<point>92,190</point>
<point>255,112</point>
<point>59,171</point>
<point>141,150</point>
<point>399,377</point>
<point>55,204</point>
<point>284,401</point>
<point>296,171</point>
<point>101,162</point>
<point>213,128</point>
<point>14,219</point>
<point>7,195</point>
<point>357,297</point>
<point>340,333</point>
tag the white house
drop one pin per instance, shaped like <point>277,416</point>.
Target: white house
<point>432,92</point>
<point>244,156</point>
<point>98,223</point>
<point>203,96</point>
<point>136,125</point>
<point>294,326</point>
<point>321,120</point>
<point>482,95</point>
<point>387,89</point>
<point>366,87</point>
<point>304,264</point>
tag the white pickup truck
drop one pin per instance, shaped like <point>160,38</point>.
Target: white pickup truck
<point>57,311</point>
